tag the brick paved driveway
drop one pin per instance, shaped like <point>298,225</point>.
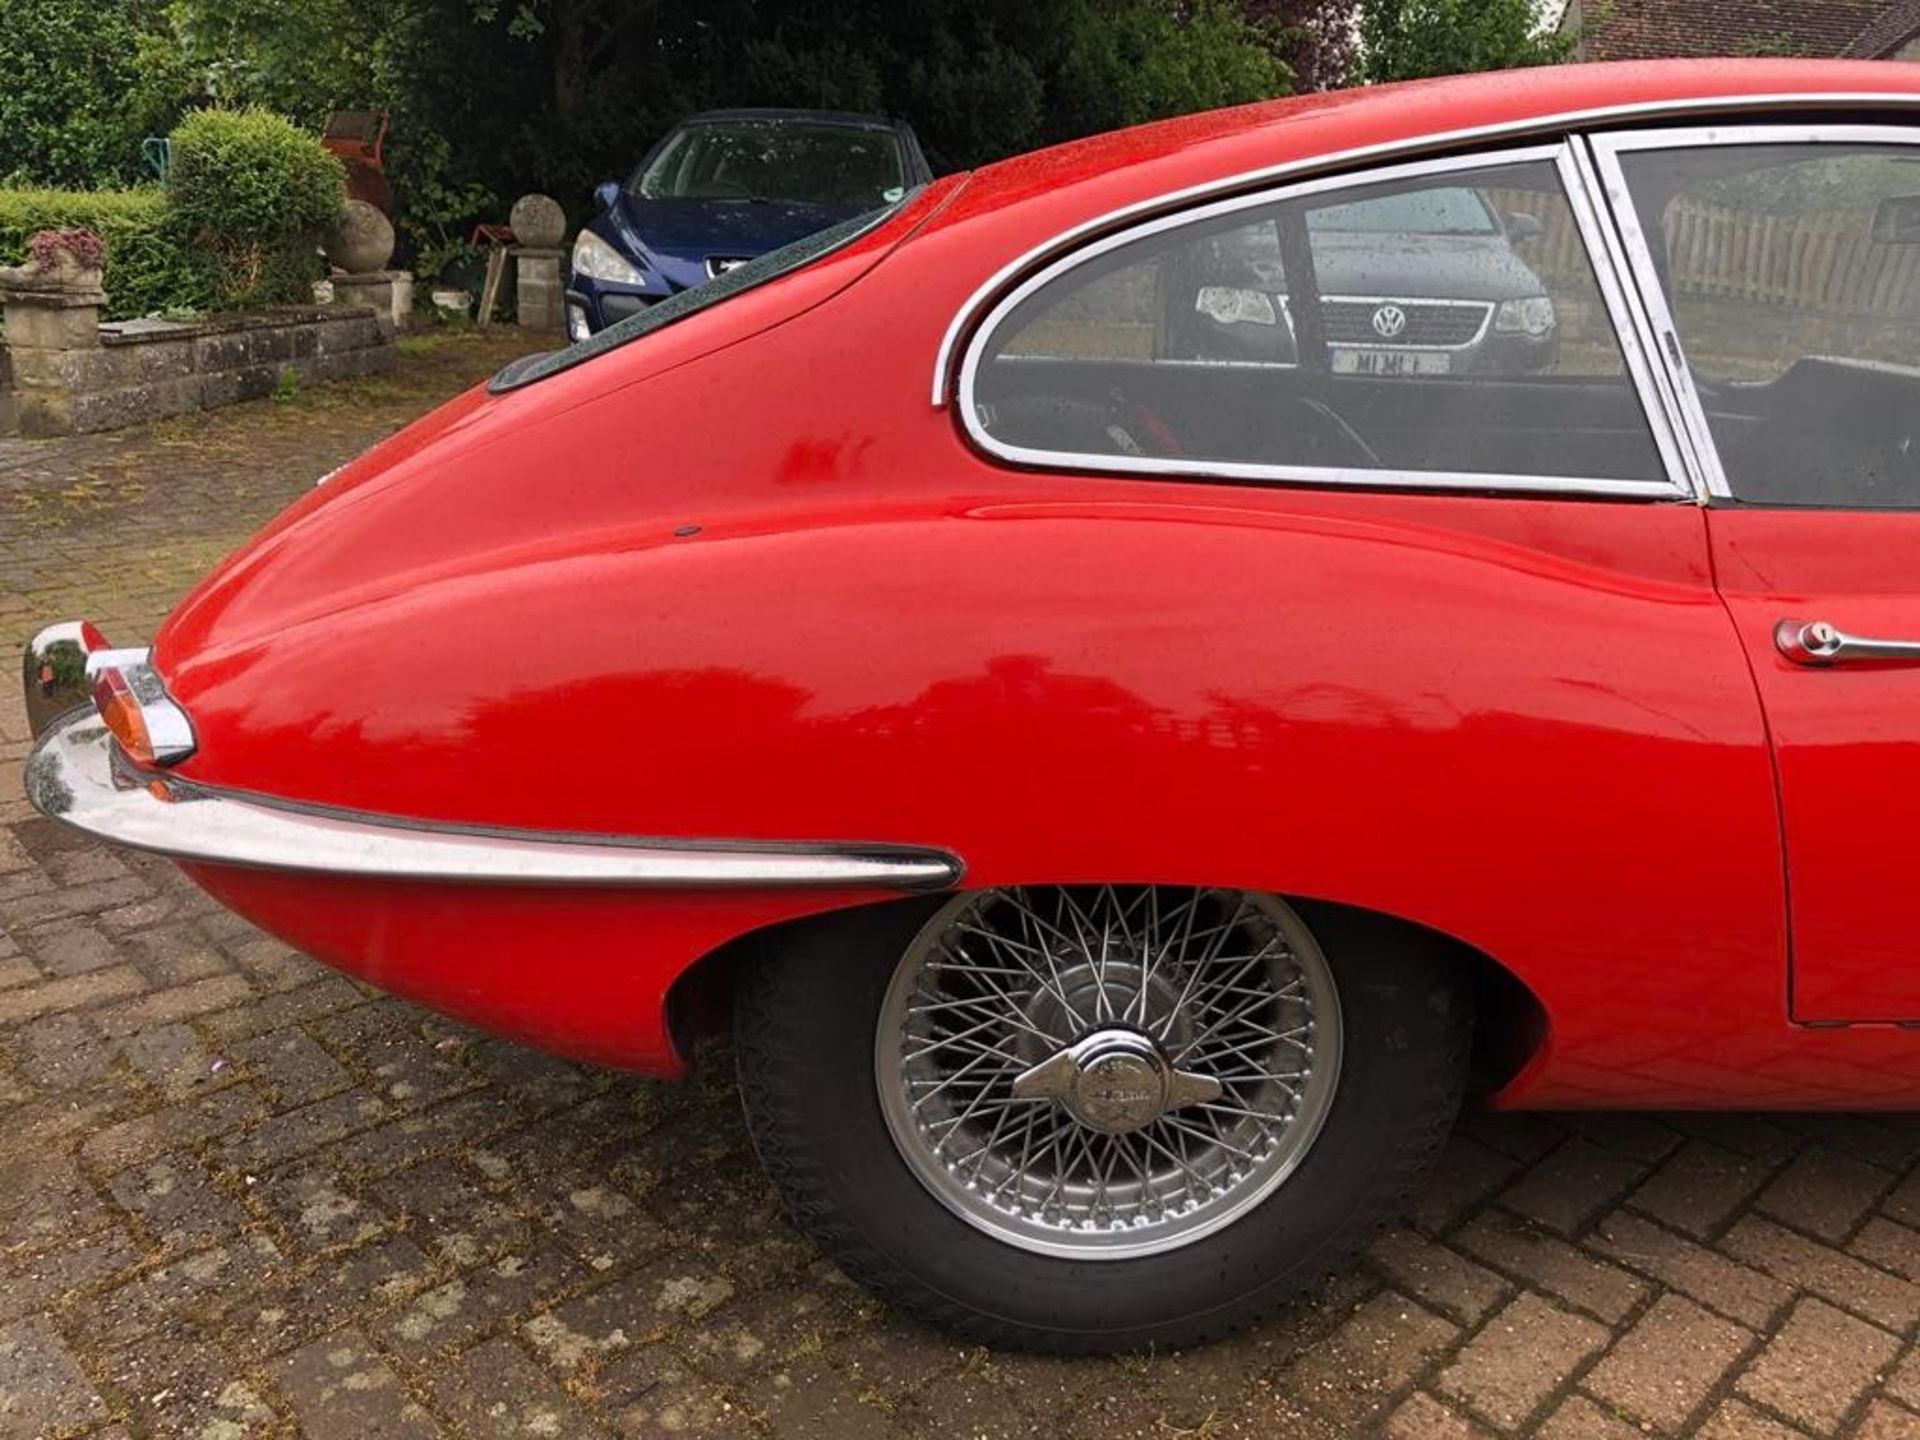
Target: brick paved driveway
<point>239,1195</point>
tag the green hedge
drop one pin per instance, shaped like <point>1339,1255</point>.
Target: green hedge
<point>256,193</point>
<point>238,225</point>
<point>149,266</point>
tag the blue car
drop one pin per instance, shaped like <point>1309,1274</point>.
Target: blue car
<point>723,188</point>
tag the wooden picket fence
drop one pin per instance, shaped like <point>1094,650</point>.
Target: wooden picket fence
<point>1826,263</point>
<point>1556,255</point>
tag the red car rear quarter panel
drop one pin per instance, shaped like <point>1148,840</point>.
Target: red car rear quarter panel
<point>766,592</point>
<point>1497,717</point>
<point>583,973</point>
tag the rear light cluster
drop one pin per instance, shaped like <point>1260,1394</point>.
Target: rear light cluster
<point>127,692</point>
<point>68,663</point>
<point>135,706</point>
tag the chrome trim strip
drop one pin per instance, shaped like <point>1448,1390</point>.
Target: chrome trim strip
<point>1677,377</point>
<point>1441,480</point>
<point>1676,384</point>
<point>1682,137</point>
<point>76,776</point>
<point>98,660</point>
<point>1630,327</point>
<point>1667,489</point>
<point>943,357</point>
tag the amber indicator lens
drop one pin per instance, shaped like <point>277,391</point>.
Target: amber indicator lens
<point>119,707</point>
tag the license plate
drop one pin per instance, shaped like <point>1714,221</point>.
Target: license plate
<point>1348,361</point>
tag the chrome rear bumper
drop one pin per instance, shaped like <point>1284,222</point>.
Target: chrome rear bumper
<point>54,672</point>
<point>76,774</point>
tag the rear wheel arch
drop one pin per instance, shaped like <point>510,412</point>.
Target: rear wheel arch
<point>1511,1023</point>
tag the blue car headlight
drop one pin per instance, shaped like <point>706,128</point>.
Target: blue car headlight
<point>596,259</point>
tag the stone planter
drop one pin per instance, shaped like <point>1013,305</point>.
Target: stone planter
<point>52,317</point>
<point>63,372</point>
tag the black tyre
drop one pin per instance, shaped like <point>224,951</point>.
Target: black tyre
<point>1098,1118</point>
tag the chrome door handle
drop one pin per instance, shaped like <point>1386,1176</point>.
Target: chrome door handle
<point>1815,642</point>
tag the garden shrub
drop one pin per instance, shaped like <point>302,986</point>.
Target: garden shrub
<point>73,105</point>
<point>149,265</point>
<point>254,193</point>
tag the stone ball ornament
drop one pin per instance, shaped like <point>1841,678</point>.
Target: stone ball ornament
<point>538,222</point>
<point>361,241</point>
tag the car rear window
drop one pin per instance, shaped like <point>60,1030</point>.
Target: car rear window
<point>1413,325</point>
<point>770,266</point>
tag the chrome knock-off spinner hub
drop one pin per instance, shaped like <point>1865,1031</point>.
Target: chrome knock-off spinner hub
<point>1114,1081</point>
<point>1102,1072</point>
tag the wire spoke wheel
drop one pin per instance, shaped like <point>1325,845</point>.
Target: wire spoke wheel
<point>1107,1071</point>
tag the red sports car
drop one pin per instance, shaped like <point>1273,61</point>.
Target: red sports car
<point>1123,690</point>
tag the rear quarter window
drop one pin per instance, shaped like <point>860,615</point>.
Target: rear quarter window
<point>1425,324</point>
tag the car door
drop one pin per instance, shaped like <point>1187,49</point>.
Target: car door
<point>1779,267</point>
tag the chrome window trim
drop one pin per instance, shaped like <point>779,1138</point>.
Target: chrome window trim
<point>1640,267</point>
<point>1362,154</point>
<point>1630,325</point>
<point>76,775</point>
<point>1673,487</point>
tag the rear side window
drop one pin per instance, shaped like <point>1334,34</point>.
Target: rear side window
<point>1438,327</point>
<point>1792,273</point>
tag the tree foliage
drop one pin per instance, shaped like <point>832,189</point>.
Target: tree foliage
<point>72,110</point>
<point>492,98</point>
<point>978,78</point>
<point>1414,39</point>
<point>1317,40</point>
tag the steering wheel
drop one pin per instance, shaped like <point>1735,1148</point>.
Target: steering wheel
<point>1333,432</point>
<point>1073,425</point>
<point>1305,431</point>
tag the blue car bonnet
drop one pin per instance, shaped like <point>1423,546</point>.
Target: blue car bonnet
<point>678,237</point>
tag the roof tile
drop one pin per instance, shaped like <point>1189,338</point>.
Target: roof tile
<point>1650,29</point>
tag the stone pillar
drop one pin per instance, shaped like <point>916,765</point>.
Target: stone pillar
<point>52,327</point>
<point>388,291</point>
<point>540,288</point>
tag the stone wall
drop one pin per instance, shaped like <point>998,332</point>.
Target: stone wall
<point>73,378</point>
